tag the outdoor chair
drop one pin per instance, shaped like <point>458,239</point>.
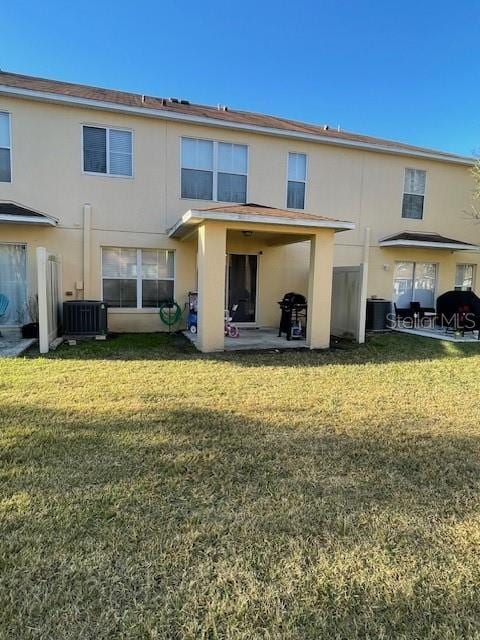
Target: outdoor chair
<point>401,313</point>
<point>416,307</point>
<point>3,306</point>
<point>424,317</point>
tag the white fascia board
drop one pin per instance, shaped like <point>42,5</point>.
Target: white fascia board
<point>44,96</point>
<point>5,217</point>
<point>193,217</point>
<point>451,246</point>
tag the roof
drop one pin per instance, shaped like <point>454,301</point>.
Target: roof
<point>427,241</point>
<point>256,213</point>
<point>54,90</point>
<point>18,214</point>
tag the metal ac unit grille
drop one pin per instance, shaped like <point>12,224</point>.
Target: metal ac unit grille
<point>85,317</point>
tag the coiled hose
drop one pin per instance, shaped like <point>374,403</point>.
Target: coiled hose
<point>170,313</point>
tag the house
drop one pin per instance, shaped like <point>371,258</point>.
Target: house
<point>149,198</point>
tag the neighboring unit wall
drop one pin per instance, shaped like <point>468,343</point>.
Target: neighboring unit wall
<point>382,267</point>
<point>67,243</point>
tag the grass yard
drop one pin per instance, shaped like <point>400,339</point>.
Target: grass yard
<point>151,492</point>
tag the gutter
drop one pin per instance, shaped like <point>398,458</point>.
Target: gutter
<point>453,246</point>
<point>44,96</point>
<point>5,217</point>
<point>194,217</point>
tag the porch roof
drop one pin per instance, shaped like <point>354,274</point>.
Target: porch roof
<point>15,213</point>
<point>424,240</point>
<point>255,213</point>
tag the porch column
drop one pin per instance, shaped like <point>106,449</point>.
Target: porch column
<point>320,289</point>
<point>211,286</point>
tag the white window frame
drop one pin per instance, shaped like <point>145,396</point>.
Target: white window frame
<point>415,262</point>
<point>9,115</point>
<point>409,193</point>
<point>139,279</point>
<point>215,169</point>
<point>107,129</point>
<point>474,275</point>
<point>304,181</point>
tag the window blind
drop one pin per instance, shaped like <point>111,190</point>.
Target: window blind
<point>414,193</point>
<point>94,149</point>
<point>297,176</point>
<point>5,151</point>
<point>120,152</point>
<point>214,170</point>
<point>137,278</point>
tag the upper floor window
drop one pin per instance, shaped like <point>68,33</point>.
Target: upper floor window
<point>297,177</point>
<point>137,278</point>
<point>107,151</point>
<point>214,170</point>
<point>414,193</point>
<point>5,148</point>
<point>464,277</point>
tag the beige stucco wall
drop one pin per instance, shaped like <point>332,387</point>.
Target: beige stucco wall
<point>361,186</point>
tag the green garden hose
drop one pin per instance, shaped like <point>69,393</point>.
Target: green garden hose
<point>170,313</point>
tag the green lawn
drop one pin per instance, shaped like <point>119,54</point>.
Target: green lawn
<point>151,492</point>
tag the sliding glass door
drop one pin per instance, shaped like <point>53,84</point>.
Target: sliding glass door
<point>13,282</point>
<point>415,282</point>
<point>242,285</point>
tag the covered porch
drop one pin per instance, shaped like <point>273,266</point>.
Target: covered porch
<point>238,262</point>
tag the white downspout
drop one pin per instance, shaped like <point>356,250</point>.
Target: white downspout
<point>362,314</point>
<point>87,225</point>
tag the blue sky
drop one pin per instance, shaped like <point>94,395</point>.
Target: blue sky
<point>403,70</point>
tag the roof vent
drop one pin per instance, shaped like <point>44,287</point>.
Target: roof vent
<point>143,99</point>
<point>326,127</point>
<point>222,107</point>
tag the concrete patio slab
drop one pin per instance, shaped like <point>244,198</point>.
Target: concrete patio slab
<point>11,347</point>
<point>440,334</point>
<point>256,339</point>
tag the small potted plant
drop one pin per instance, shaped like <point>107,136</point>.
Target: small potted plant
<point>30,330</point>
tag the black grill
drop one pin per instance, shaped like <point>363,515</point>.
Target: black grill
<point>85,317</point>
<point>293,321</point>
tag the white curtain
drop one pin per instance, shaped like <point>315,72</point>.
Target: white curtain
<point>13,282</point>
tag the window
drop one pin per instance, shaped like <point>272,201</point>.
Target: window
<point>137,278</point>
<point>13,283</point>
<point>297,177</point>
<point>197,169</point>
<point>5,148</point>
<point>464,277</point>
<point>414,193</point>
<point>415,282</point>
<point>214,170</point>
<point>107,151</point>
